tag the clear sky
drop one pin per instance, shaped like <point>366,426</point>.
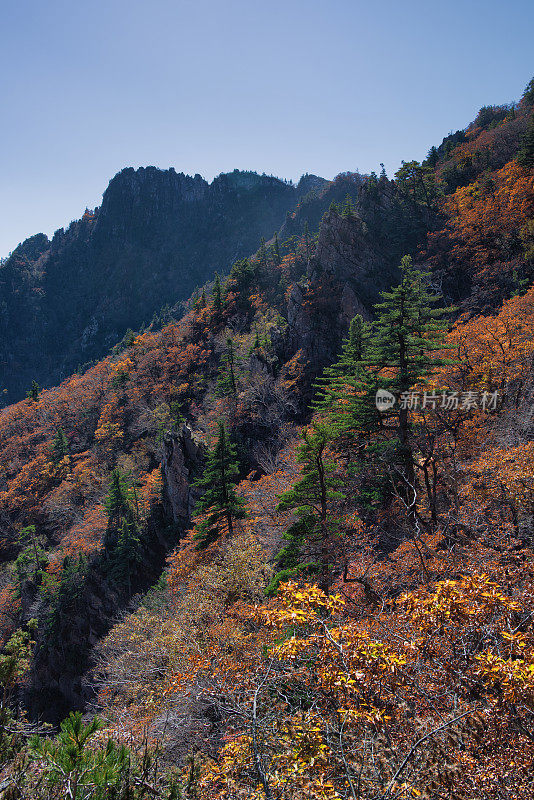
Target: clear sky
<point>278,86</point>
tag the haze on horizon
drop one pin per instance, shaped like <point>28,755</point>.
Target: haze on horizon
<point>283,88</point>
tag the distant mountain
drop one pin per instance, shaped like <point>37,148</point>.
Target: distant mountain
<point>156,236</point>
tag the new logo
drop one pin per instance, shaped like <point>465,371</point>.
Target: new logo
<point>384,400</point>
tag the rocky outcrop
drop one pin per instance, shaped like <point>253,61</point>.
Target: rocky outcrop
<point>157,235</point>
<point>183,457</point>
<point>345,252</point>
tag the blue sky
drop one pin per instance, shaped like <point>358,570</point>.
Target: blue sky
<point>279,87</point>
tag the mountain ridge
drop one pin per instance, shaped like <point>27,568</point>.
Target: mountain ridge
<point>156,235</point>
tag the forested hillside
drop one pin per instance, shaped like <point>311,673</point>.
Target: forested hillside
<point>282,547</point>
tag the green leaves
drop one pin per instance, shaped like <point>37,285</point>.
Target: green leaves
<point>81,771</point>
<point>219,504</point>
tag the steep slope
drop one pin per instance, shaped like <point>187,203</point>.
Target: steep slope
<point>104,466</point>
<point>156,236</point>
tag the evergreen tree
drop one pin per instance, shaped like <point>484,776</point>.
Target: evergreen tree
<point>393,354</point>
<point>346,389</point>
<point>219,504</point>
<point>242,273</point>
<point>314,539</point>
<point>432,157</point>
<point>528,94</point>
<point>32,554</point>
<point>119,500</point>
<point>408,330</point>
<point>122,543</point>
<point>33,393</point>
<point>126,555</point>
<point>227,382</point>
<point>77,767</point>
<point>59,448</point>
<point>348,207</point>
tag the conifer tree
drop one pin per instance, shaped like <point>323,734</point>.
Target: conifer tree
<point>126,555</point>
<point>348,207</point>
<point>75,767</point>
<point>346,390</point>
<point>227,382</point>
<point>60,446</point>
<point>65,595</point>
<point>33,393</point>
<point>408,330</point>
<point>119,501</point>
<point>219,506</point>
<point>32,554</point>
<point>432,157</point>
<point>313,540</point>
<point>121,542</point>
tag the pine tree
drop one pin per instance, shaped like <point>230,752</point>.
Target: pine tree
<point>346,390</point>
<point>33,393</point>
<point>313,540</point>
<point>119,501</point>
<point>219,504</point>
<point>59,448</point>
<point>242,273</point>
<point>32,554</point>
<point>126,554</point>
<point>227,382</point>
<point>74,766</point>
<point>408,330</point>
<point>432,157</point>
<point>348,207</point>
<point>122,543</point>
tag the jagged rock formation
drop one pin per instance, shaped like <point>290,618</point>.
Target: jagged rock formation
<point>157,235</point>
<point>182,458</point>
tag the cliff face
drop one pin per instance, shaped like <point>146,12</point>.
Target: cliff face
<point>358,249</point>
<point>156,236</point>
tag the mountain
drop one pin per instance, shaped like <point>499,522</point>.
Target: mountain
<point>348,610</point>
<point>156,236</point>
